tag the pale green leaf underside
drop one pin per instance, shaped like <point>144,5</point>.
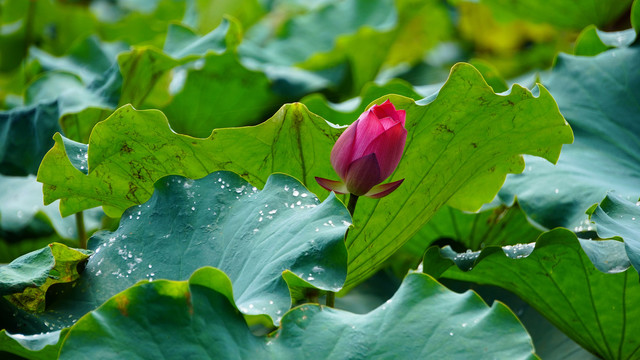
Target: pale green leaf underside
<point>599,97</point>
<point>619,217</point>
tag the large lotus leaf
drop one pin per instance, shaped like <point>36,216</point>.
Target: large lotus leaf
<point>562,13</point>
<point>25,137</point>
<point>496,226</point>
<point>618,217</point>
<point>584,287</point>
<point>122,170</point>
<point>598,97</point>
<point>25,281</point>
<point>459,149</point>
<point>263,240</point>
<point>423,319</point>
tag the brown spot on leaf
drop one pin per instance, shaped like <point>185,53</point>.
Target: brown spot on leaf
<point>126,148</point>
<point>122,302</point>
<point>444,127</point>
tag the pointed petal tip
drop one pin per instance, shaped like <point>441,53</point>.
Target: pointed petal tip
<point>332,185</point>
<point>383,190</point>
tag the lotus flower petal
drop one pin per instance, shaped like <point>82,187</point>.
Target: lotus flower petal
<point>332,185</point>
<point>368,151</point>
<point>363,174</point>
<point>387,109</point>
<point>383,190</point>
<point>342,151</point>
<point>388,148</point>
<point>369,127</point>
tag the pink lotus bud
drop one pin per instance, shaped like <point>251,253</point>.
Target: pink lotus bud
<point>368,152</point>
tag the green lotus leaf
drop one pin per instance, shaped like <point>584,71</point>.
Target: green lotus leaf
<point>562,13</point>
<point>301,36</point>
<point>80,106</point>
<point>88,59</point>
<point>619,217</point>
<point>460,147</point>
<point>601,108</point>
<point>423,319</point>
<point>54,27</point>
<point>27,130</point>
<point>22,211</point>
<point>265,241</point>
<point>215,95</point>
<point>205,15</point>
<point>12,37</point>
<point>140,23</point>
<point>336,43</point>
<point>122,171</point>
<point>25,137</point>
<point>25,281</point>
<point>592,41</point>
<point>561,277</point>
<point>211,93</point>
<point>495,225</point>
<point>43,346</point>
<point>144,66</point>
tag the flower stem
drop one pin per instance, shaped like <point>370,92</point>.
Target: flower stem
<point>351,206</point>
<point>82,235</point>
<point>331,299</point>
<point>353,199</point>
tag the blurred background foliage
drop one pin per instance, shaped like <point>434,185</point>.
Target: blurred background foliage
<point>66,65</point>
